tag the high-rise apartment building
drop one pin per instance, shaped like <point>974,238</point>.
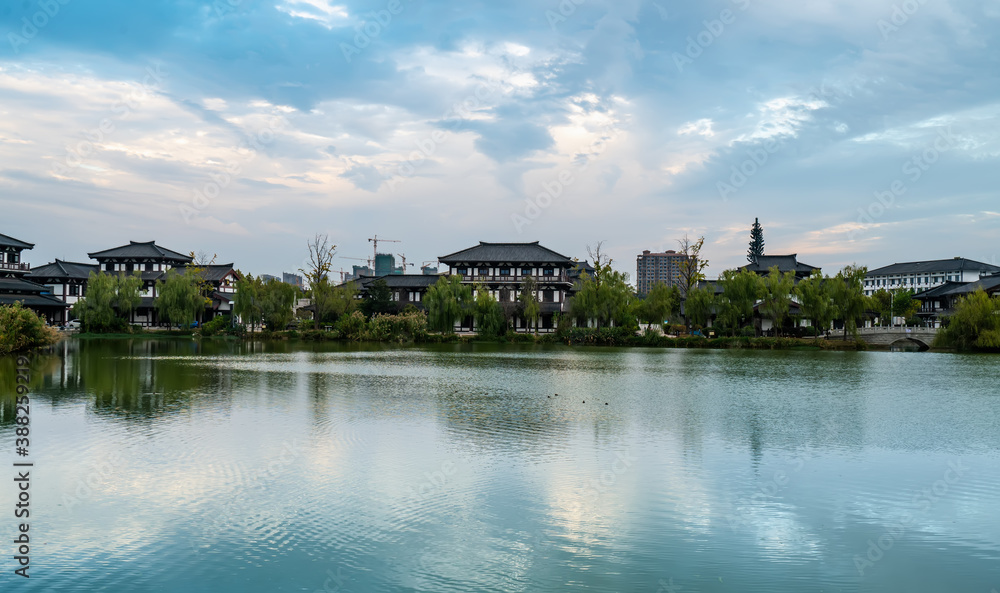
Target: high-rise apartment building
<point>657,268</point>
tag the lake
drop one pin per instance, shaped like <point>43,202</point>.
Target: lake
<point>169,465</point>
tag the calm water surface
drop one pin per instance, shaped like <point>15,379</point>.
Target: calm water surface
<point>165,465</point>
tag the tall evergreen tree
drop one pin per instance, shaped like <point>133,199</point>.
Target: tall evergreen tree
<point>756,242</point>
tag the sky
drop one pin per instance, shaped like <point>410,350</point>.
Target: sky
<point>857,131</point>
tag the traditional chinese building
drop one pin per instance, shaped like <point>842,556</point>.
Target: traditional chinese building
<point>502,268</point>
<point>14,287</point>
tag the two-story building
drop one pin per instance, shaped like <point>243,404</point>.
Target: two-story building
<point>502,267</point>
<point>67,281</point>
<point>920,276</point>
<point>15,287</point>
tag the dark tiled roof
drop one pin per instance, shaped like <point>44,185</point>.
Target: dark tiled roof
<point>32,300</point>
<point>17,285</point>
<point>6,241</point>
<point>989,284</point>
<point>957,264</point>
<point>939,291</point>
<point>785,263</point>
<point>215,272</point>
<point>513,253</point>
<point>63,269</point>
<point>413,281</point>
<point>148,250</point>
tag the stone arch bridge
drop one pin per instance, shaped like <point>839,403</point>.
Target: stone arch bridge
<point>887,336</point>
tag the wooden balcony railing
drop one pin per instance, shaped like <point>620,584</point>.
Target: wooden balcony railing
<point>516,279</point>
<point>20,266</point>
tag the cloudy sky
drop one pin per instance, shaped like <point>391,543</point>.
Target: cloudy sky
<point>243,127</point>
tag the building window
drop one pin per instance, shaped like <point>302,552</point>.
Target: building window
<point>548,296</point>
<point>505,271</point>
<point>128,268</point>
<point>548,272</point>
<point>109,267</point>
<point>74,290</point>
<point>526,271</point>
<point>149,267</point>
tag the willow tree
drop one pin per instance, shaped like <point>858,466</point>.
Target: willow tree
<point>740,291</point>
<point>699,304</point>
<point>776,298</point>
<point>447,302</point>
<point>849,300</point>
<point>109,302</point>
<point>661,302</point>
<point>527,297</point>
<point>974,325</point>
<point>606,298</point>
<point>815,301</point>
<point>179,298</point>
<point>490,320</point>
<point>277,300</point>
<point>247,303</point>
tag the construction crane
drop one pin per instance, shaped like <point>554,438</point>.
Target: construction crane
<point>374,240</point>
<point>342,274</point>
<point>403,257</point>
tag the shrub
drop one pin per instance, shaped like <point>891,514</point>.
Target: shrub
<point>22,329</point>
<point>216,326</point>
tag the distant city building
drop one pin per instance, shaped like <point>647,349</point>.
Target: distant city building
<point>293,279</point>
<point>358,272</point>
<point>921,276</point>
<point>657,268</point>
<point>268,277</point>
<point>429,271</point>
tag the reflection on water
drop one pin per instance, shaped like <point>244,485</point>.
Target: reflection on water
<point>174,465</point>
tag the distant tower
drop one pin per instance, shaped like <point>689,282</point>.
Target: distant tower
<point>756,242</point>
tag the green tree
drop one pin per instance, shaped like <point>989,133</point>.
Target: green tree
<point>179,297</point>
<point>691,268</point>
<point>490,321</point>
<point>881,303</point>
<point>814,300</point>
<point>276,301</point>
<point>317,274</point>
<point>905,306</point>
<point>661,302</point>
<point>974,325</point>
<point>379,299</point>
<point>343,300</point>
<point>848,295</point>
<point>248,301</point>
<point>699,305</point>
<point>447,301</point>
<point>531,310</point>
<point>776,299</point>
<point>740,291</point>
<point>606,298</point>
<point>756,242</point>
<point>109,303</point>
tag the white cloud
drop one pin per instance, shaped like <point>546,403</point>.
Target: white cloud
<point>701,127</point>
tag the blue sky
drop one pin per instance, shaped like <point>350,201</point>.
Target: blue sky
<point>860,131</point>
